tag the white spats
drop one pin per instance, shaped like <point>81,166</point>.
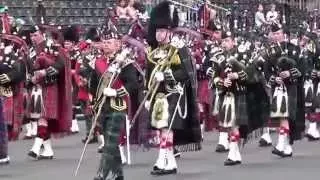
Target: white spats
<point>170,160</point>
<point>166,160</point>
<point>313,130</point>
<point>47,150</point>
<point>161,159</point>
<point>266,137</point>
<point>287,150</point>
<point>123,156</point>
<point>223,139</point>
<point>282,139</point>
<point>34,128</point>
<point>234,152</point>
<point>37,146</point>
<point>283,148</point>
<point>74,126</point>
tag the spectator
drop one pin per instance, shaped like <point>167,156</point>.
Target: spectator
<point>259,17</point>
<point>273,15</point>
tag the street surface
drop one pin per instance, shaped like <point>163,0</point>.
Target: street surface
<point>258,163</point>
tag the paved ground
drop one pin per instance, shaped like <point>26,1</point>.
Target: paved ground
<point>258,163</point>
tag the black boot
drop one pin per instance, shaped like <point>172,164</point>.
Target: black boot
<point>221,149</point>
<point>161,172</point>
<point>311,138</point>
<point>277,152</point>
<point>230,162</point>
<point>264,143</point>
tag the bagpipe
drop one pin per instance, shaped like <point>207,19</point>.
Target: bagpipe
<point>13,49</point>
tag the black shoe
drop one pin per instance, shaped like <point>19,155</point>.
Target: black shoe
<point>100,150</point>
<point>98,178</point>
<point>33,155</point>
<point>311,138</point>
<point>45,157</point>
<point>264,143</point>
<point>221,149</point>
<point>230,162</point>
<point>161,172</point>
<point>176,153</point>
<point>120,178</point>
<point>275,151</point>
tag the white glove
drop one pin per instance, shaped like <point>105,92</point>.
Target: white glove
<point>197,66</point>
<point>112,69</point>
<point>4,79</point>
<point>147,105</point>
<point>109,92</point>
<point>159,76</point>
<point>210,72</point>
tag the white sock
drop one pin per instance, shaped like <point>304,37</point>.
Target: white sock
<point>34,128</point>
<point>74,126</point>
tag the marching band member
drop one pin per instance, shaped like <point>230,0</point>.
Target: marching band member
<point>71,38</point>
<point>172,85</point>
<point>13,52</point>
<point>284,72</point>
<point>119,79</point>
<point>52,75</point>
<point>311,83</point>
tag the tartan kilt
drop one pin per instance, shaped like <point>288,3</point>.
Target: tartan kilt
<point>110,163</point>
<point>203,92</point>
<point>240,111</point>
<point>3,134</point>
<point>13,112</point>
<point>50,102</point>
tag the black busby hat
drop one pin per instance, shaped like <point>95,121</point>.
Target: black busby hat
<point>72,33</point>
<point>164,15</point>
<point>92,35</point>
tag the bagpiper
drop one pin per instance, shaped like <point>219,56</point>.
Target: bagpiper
<point>51,73</point>
<point>284,72</point>
<point>308,54</point>
<point>13,53</point>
